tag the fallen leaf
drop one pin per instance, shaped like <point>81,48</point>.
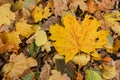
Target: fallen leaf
<point>81,59</point>
<point>19,64</point>
<point>112,17</point>
<point>59,6</point>
<point>39,13</point>
<point>92,6</point>
<point>117,64</point>
<point>106,5</point>
<point>47,47</point>
<point>109,72</point>
<point>74,37</point>
<point>30,4</point>
<point>45,72</point>
<point>79,76</point>
<point>40,38</point>
<point>51,21</point>
<point>13,38</point>
<point>58,76</point>
<point>75,3</point>
<point>6,16</point>
<point>24,29</point>
<point>107,59</point>
<point>92,75</point>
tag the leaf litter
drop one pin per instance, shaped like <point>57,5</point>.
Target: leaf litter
<point>59,39</point>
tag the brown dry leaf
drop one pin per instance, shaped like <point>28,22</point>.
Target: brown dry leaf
<point>45,72</point>
<point>117,64</point>
<point>58,76</point>
<point>19,64</point>
<point>106,5</point>
<point>79,76</point>
<point>92,6</point>
<point>51,21</point>
<point>59,6</point>
<point>75,3</point>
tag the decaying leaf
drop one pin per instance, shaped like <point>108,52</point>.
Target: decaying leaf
<point>109,72</point>
<point>40,38</point>
<point>92,75</point>
<point>75,36</point>
<point>60,6</point>
<point>75,3</point>
<point>58,76</point>
<point>30,4</point>
<point>106,5</point>
<point>117,64</point>
<point>45,72</point>
<point>6,16</point>
<point>19,64</point>
<point>51,21</point>
<point>81,59</point>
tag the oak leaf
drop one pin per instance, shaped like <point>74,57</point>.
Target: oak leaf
<point>74,36</point>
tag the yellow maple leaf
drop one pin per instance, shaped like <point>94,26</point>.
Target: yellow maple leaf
<point>39,13</point>
<point>74,36</point>
<point>17,65</point>
<point>6,16</point>
<point>12,37</point>
<point>24,29</point>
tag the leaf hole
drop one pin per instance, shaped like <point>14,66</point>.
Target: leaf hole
<point>96,39</point>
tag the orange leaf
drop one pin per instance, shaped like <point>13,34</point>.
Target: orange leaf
<point>92,6</point>
<point>107,59</point>
<point>79,76</point>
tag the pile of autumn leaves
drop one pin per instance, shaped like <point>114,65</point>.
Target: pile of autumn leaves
<point>74,40</point>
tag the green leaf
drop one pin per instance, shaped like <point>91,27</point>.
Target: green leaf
<point>29,76</point>
<point>32,48</point>
<point>92,75</point>
<point>109,37</point>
